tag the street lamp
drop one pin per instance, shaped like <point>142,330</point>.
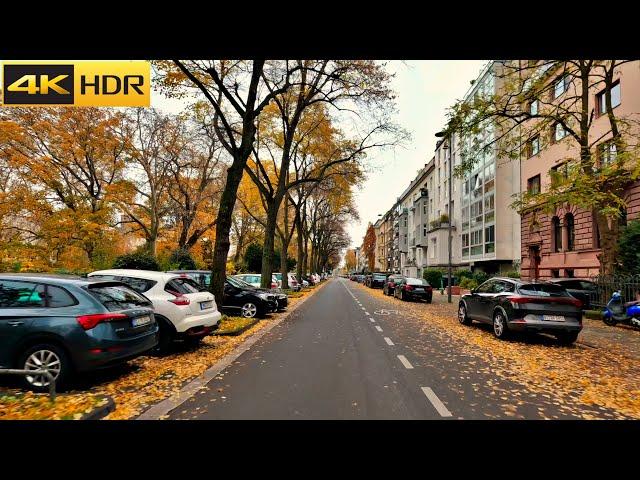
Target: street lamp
<point>446,146</point>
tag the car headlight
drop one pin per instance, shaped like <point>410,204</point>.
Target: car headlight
<point>263,296</point>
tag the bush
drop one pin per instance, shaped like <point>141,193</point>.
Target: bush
<point>480,277</point>
<point>468,283</point>
<point>463,273</point>
<point>137,261</point>
<point>513,274</point>
<point>593,314</point>
<point>433,276</point>
<point>181,259</point>
<point>628,252</point>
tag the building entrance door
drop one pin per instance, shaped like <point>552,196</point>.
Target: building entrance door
<point>534,259</point>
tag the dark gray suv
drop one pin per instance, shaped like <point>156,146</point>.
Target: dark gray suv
<point>70,325</point>
<point>519,306</point>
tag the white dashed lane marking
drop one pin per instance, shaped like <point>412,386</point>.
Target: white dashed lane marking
<point>372,320</point>
<point>378,328</point>
<point>389,342</point>
<point>435,401</point>
<point>404,361</point>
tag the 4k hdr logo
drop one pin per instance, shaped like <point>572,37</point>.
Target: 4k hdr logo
<point>80,84</point>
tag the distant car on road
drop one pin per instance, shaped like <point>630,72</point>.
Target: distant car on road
<point>183,311</point>
<point>292,280</point>
<point>518,306</point>
<point>67,325</point>
<point>413,289</point>
<point>584,290</point>
<point>390,284</point>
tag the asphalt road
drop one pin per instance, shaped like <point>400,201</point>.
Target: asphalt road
<point>341,355</point>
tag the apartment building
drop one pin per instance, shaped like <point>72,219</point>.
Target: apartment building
<point>564,243</point>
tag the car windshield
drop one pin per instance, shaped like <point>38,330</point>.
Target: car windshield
<point>543,290</point>
<point>236,282</point>
<point>379,277</point>
<point>416,281</point>
<point>117,297</point>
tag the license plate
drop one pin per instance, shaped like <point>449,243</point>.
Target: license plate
<point>554,318</point>
<point>140,321</point>
<point>419,289</point>
<point>206,305</point>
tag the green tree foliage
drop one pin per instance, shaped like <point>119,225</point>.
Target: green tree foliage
<point>181,259</point>
<point>433,276</point>
<point>629,254</point>
<point>253,258</point>
<point>137,261</point>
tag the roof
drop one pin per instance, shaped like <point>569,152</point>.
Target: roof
<point>145,274</point>
<point>50,278</point>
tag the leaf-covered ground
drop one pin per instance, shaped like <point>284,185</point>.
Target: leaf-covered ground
<point>136,385</point>
<point>602,370</point>
<point>232,325</point>
<point>32,406</point>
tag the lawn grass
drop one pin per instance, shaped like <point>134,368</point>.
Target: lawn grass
<point>234,325</point>
<point>593,314</point>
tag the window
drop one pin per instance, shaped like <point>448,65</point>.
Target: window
<point>555,273</point>
<point>569,273</point>
<point>534,146</point>
<point>424,208</point>
<point>561,86</point>
<point>489,202</point>
<point>558,132</point>
<point>486,287</point>
<point>489,234</point>
<point>140,285</point>
<point>533,107</point>
<point>476,237</point>
<point>557,235</point>
<point>465,239</point>
<point>21,295</point>
<point>607,152</point>
<point>571,234</point>
<point>431,205</point>
<point>117,297</point>
<point>58,297</point>
<point>601,99</point>
<point>533,185</point>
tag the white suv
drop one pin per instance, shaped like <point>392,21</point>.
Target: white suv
<point>181,309</point>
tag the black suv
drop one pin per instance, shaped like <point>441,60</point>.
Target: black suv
<point>515,305</point>
<point>246,300</point>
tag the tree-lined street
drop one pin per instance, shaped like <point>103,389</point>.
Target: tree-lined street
<point>350,353</point>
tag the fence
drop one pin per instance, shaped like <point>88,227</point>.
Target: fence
<point>628,286</point>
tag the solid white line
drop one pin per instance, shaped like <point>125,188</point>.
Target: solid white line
<point>378,328</point>
<point>404,361</point>
<point>389,342</point>
<point>435,401</point>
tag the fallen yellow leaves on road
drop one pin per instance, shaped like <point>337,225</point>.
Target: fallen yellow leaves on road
<point>607,376</point>
<point>32,406</point>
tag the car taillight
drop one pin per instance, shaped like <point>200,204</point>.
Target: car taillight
<point>90,321</point>
<point>408,287</point>
<point>564,300</point>
<point>180,300</point>
<point>274,285</point>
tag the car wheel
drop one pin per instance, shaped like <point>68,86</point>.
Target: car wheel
<point>429,299</point>
<point>45,357</point>
<point>402,296</point>
<point>165,337</point>
<point>567,338</point>
<point>463,318</point>
<point>500,329</point>
<point>610,321</point>
<point>249,310</point>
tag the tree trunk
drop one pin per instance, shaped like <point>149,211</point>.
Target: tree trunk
<point>223,225</point>
<point>300,240</point>
<point>267,249</point>
<point>608,236</point>
<point>283,263</point>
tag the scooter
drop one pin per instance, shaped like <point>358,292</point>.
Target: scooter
<point>616,312</point>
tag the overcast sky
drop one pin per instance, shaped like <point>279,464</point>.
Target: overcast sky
<point>424,89</point>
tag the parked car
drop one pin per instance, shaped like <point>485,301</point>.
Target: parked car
<point>67,325</point>
<point>390,284</point>
<point>291,279</point>
<point>282,299</point>
<point>512,305</point>
<point>254,279</point>
<point>584,290</point>
<point>183,311</point>
<point>377,280</point>
<point>413,289</point>
<point>246,300</point>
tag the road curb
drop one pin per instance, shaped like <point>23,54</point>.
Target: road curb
<point>190,389</point>
<point>101,412</point>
